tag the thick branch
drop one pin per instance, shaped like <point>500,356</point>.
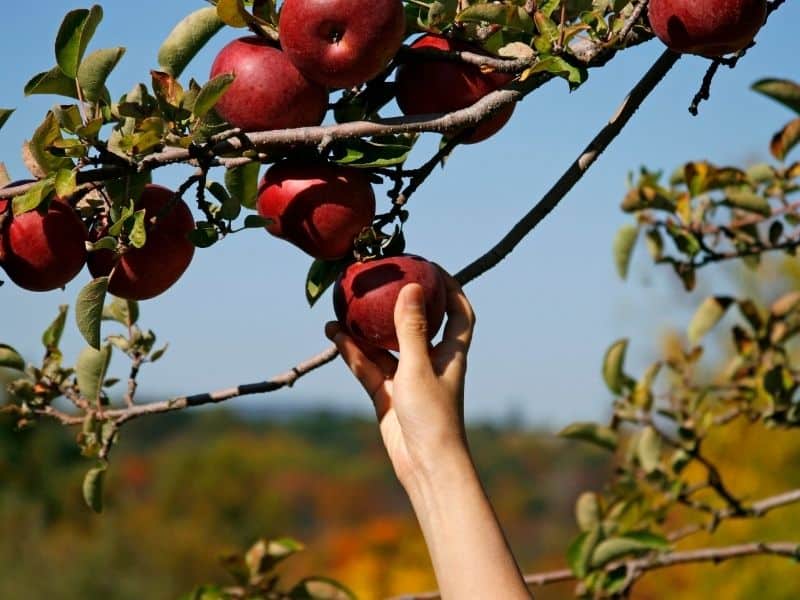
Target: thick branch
<point>574,173</point>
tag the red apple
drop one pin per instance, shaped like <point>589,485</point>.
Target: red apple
<point>42,249</point>
<point>341,43</point>
<point>319,207</point>
<point>429,86</point>
<point>268,91</point>
<point>141,273</point>
<point>707,27</point>
<point>365,294</point>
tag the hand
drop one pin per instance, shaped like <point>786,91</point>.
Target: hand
<point>418,398</point>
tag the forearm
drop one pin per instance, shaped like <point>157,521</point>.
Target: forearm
<point>470,555</point>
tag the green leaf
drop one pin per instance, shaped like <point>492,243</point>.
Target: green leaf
<point>52,335</point>
<point>233,13</point>
<point>618,547</point>
<point>65,183</point>
<point>95,69</point>
<point>256,221</point>
<point>31,199</point>
<point>51,82</point>
<point>122,311</point>
<point>5,113</point>
<point>505,15</point>
<point>707,315</point>
<point>587,511</point>
<point>210,93</point>
<point>90,370</point>
<point>642,392</point>
<point>89,310</point>
<point>242,183</point>
<point>48,132</point>
<point>229,206</point>
<point>624,242</point>
<point>745,199</point>
<point>320,588</point>
<point>613,363</point>
<point>580,551</point>
<point>600,435</point>
<point>187,39</point>
<point>364,154</point>
<point>786,139</point>
<point>10,358</point>
<point>558,66</point>
<point>784,91</point>
<point>203,235</point>
<point>138,234</point>
<point>321,276</point>
<point>158,353</point>
<point>73,37</point>
<point>648,449</point>
<point>93,487</point>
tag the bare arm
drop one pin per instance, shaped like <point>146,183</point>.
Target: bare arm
<point>419,403</point>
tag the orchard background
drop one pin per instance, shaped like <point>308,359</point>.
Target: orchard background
<point>547,315</point>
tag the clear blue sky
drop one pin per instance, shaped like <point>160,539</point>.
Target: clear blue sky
<point>545,315</point>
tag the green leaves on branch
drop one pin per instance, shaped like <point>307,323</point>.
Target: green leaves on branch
<point>782,90</point>
<point>89,310</point>
<point>242,183</point>
<point>187,39</point>
<point>383,151</point>
<point>321,276</point>
<point>10,358</point>
<point>210,93</point>
<point>93,487</point>
<point>613,362</point>
<point>599,435</point>
<point>74,36</point>
<point>95,69</point>
<point>90,370</point>
<point>707,315</point>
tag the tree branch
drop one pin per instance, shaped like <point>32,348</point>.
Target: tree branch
<point>658,561</point>
<point>575,171</point>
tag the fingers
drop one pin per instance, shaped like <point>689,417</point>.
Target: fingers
<point>370,374</point>
<point>460,316</point>
<point>412,328</point>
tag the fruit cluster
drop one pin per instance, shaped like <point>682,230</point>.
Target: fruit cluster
<point>321,207</point>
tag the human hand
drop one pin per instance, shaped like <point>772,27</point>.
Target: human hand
<point>419,397</point>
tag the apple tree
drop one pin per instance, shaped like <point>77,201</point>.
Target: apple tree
<point>92,200</point>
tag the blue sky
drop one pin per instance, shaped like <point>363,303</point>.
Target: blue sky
<point>545,315</point>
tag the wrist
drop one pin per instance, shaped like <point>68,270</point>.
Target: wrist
<point>443,472</point>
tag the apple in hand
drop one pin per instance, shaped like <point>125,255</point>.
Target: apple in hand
<point>341,43</point>
<point>317,206</point>
<point>706,27</point>
<point>142,273</point>
<point>364,296</point>
<point>268,92</point>
<point>42,249</point>
<point>429,86</point>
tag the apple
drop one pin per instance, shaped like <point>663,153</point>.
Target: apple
<point>341,43</point>
<point>142,273</point>
<point>268,92</point>
<point>317,206</point>
<point>429,86</point>
<point>42,249</point>
<point>706,27</point>
<point>364,296</point>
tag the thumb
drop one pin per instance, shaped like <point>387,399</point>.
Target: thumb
<point>412,327</point>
